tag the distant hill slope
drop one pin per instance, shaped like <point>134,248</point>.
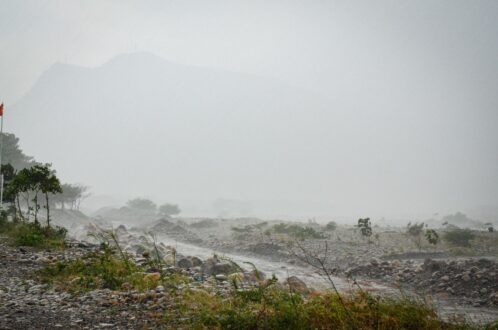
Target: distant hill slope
<point>140,124</point>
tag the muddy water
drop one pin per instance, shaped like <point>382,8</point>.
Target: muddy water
<point>446,307</point>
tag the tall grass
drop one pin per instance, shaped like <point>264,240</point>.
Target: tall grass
<point>33,234</point>
<point>276,308</point>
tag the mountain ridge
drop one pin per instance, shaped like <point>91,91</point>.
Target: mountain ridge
<point>199,114</point>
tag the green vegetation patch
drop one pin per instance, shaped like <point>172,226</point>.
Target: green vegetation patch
<point>33,235</point>
<point>459,237</point>
<point>272,307</point>
<point>102,269</point>
<point>296,231</point>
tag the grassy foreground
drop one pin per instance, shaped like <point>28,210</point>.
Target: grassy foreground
<point>276,308</point>
<point>33,234</point>
<point>267,305</point>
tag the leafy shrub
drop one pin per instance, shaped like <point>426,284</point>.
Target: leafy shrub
<point>331,226</point>
<point>365,227</point>
<point>33,234</point>
<point>432,236</point>
<point>296,231</point>
<point>459,237</point>
<point>271,307</point>
<point>415,231</point>
<point>100,270</point>
<point>5,225</point>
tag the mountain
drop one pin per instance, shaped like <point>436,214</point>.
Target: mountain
<point>142,126</point>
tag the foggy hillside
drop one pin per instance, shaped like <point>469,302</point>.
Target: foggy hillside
<point>140,125</point>
<point>142,118</point>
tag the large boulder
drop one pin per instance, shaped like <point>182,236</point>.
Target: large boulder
<point>207,266</point>
<point>297,285</point>
<point>195,261</point>
<point>222,268</point>
<point>214,266</point>
<point>139,249</point>
<point>185,263</point>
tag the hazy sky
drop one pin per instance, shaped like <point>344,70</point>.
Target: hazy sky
<point>431,66</point>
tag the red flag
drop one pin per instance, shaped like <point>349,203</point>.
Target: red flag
<point>1,110</point>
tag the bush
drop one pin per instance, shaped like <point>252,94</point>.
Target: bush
<point>5,225</point>
<point>270,307</point>
<point>432,236</point>
<point>459,237</point>
<point>296,231</point>
<point>331,226</point>
<point>34,235</point>
<point>101,270</point>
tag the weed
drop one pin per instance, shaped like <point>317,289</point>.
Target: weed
<point>34,235</point>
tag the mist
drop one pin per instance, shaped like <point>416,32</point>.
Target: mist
<point>253,164</point>
<point>284,109</point>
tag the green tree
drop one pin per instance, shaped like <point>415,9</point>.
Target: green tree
<point>365,227</point>
<point>49,184</point>
<point>169,209</point>
<point>142,204</point>
<point>20,187</point>
<point>331,226</point>
<point>72,196</point>
<point>12,153</point>
<point>8,206</point>
<point>432,236</point>
<point>459,237</point>
<point>9,173</point>
<point>415,231</point>
<point>33,182</point>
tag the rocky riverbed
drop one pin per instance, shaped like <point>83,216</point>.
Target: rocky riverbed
<point>462,286</point>
<point>457,285</point>
<point>471,281</point>
<point>27,303</point>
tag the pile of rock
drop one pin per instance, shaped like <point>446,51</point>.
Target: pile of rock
<point>474,280</point>
<point>174,230</point>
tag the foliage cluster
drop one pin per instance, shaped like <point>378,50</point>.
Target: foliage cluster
<point>432,236</point>
<point>145,205</point>
<point>12,153</point>
<point>33,234</point>
<point>32,184</point>
<point>169,209</point>
<point>71,196</point>
<point>459,237</point>
<point>273,307</point>
<point>103,269</point>
<point>296,231</point>
<point>365,227</point>
<point>93,271</point>
<point>331,226</point>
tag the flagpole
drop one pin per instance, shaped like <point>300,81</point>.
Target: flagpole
<point>1,152</point>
